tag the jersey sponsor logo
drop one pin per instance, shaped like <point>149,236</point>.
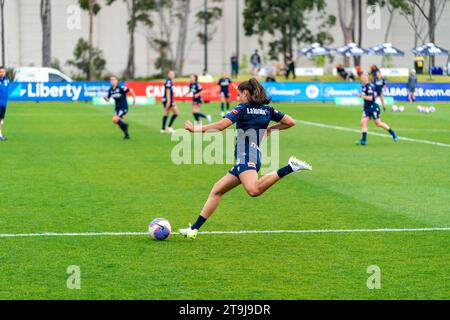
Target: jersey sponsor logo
<point>235,111</point>
<point>257,111</point>
<point>251,164</point>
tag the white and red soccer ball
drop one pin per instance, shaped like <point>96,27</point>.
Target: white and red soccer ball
<point>160,229</point>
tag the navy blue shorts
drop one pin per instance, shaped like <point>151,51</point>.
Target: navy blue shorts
<point>379,91</point>
<point>121,112</point>
<point>197,101</point>
<point>240,168</point>
<point>373,113</point>
<point>225,94</point>
<point>2,112</point>
<point>171,106</point>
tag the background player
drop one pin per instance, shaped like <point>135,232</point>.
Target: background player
<point>380,86</point>
<point>371,110</point>
<point>169,104</point>
<point>4,84</point>
<point>119,94</point>
<point>252,118</point>
<point>224,83</point>
<point>196,89</point>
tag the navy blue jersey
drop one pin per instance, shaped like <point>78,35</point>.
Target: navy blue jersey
<point>168,85</point>
<point>4,84</point>
<point>119,94</point>
<point>195,88</point>
<point>368,90</point>
<point>251,122</point>
<point>379,84</point>
<point>224,84</point>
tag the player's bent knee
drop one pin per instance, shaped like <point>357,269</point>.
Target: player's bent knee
<point>253,192</point>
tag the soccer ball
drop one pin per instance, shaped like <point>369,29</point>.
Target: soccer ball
<point>394,108</point>
<point>160,229</point>
<point>401,108</point>
<point>432,109</point>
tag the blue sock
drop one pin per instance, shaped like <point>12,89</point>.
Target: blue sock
<point>392,132</point>
<point>283,172</point>
<point>222,106</point>
<point>199,223</point>
<point>172,120</point>
<point>196,116</point>
<point>201,115</point>
<point>364,136</point>
<point>228,106</point>
<point>164,121</point>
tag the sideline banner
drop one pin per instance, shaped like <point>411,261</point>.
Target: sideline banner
<point>211,91</point>
<point>57,91</point>
<point>279,91</point>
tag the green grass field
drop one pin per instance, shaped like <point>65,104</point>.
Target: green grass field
<point>66,169</point>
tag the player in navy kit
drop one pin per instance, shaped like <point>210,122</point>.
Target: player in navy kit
<point>371,110</point>
<point>252,118</point>
<point>119,94</point>
<point>4,84</point>
<point>380,85</point>
<point>224,83</point>
<point>196,89</point>
<point>169,104</point>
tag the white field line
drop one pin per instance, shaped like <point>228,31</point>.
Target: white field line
<point>119,234</point>
<point>323,125</point>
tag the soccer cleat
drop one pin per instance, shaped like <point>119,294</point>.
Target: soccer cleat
<point>361,143</point>
<point>2,138</point>
<point>298,165</point>
<point>395,138</point>
<point>127,137</point>
<point>163,131</point>
<point>209,118</point>
<point>189,233</point>
<point>170,130</point>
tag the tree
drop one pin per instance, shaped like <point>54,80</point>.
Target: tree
<point>287,22</point>
<point>2,13</point>
<point>138,13</point>
<point>392,6</point>
<point>46,22</point>
<point>93,8</point>
<point>85,56</point>
<point>347,25</point>
<point>171,53</point>
<point>429,10</point>
<point>207,17</point>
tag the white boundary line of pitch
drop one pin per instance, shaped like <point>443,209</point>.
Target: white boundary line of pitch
<point>119,234</point>
<point>327,126</point>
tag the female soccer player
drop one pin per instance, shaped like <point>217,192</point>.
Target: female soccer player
<point>169,104</point>
<point>371,110</point>
<point>252,118</point>
<point>119,94</point>
<point>380,85</point>
<point>224,83</point>
<point>196,90</point>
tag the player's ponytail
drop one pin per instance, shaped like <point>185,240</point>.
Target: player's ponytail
<point>256,92</point>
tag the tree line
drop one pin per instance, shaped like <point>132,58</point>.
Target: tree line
<point>282,24</point>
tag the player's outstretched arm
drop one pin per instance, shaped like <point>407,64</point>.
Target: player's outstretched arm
<point>218,126</point>
<point>285,123</point>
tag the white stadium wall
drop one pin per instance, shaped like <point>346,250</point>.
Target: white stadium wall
<point>23,30</point>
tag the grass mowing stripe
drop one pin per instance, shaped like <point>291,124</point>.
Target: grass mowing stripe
<point>93,234</point>
<point>323,125</point>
